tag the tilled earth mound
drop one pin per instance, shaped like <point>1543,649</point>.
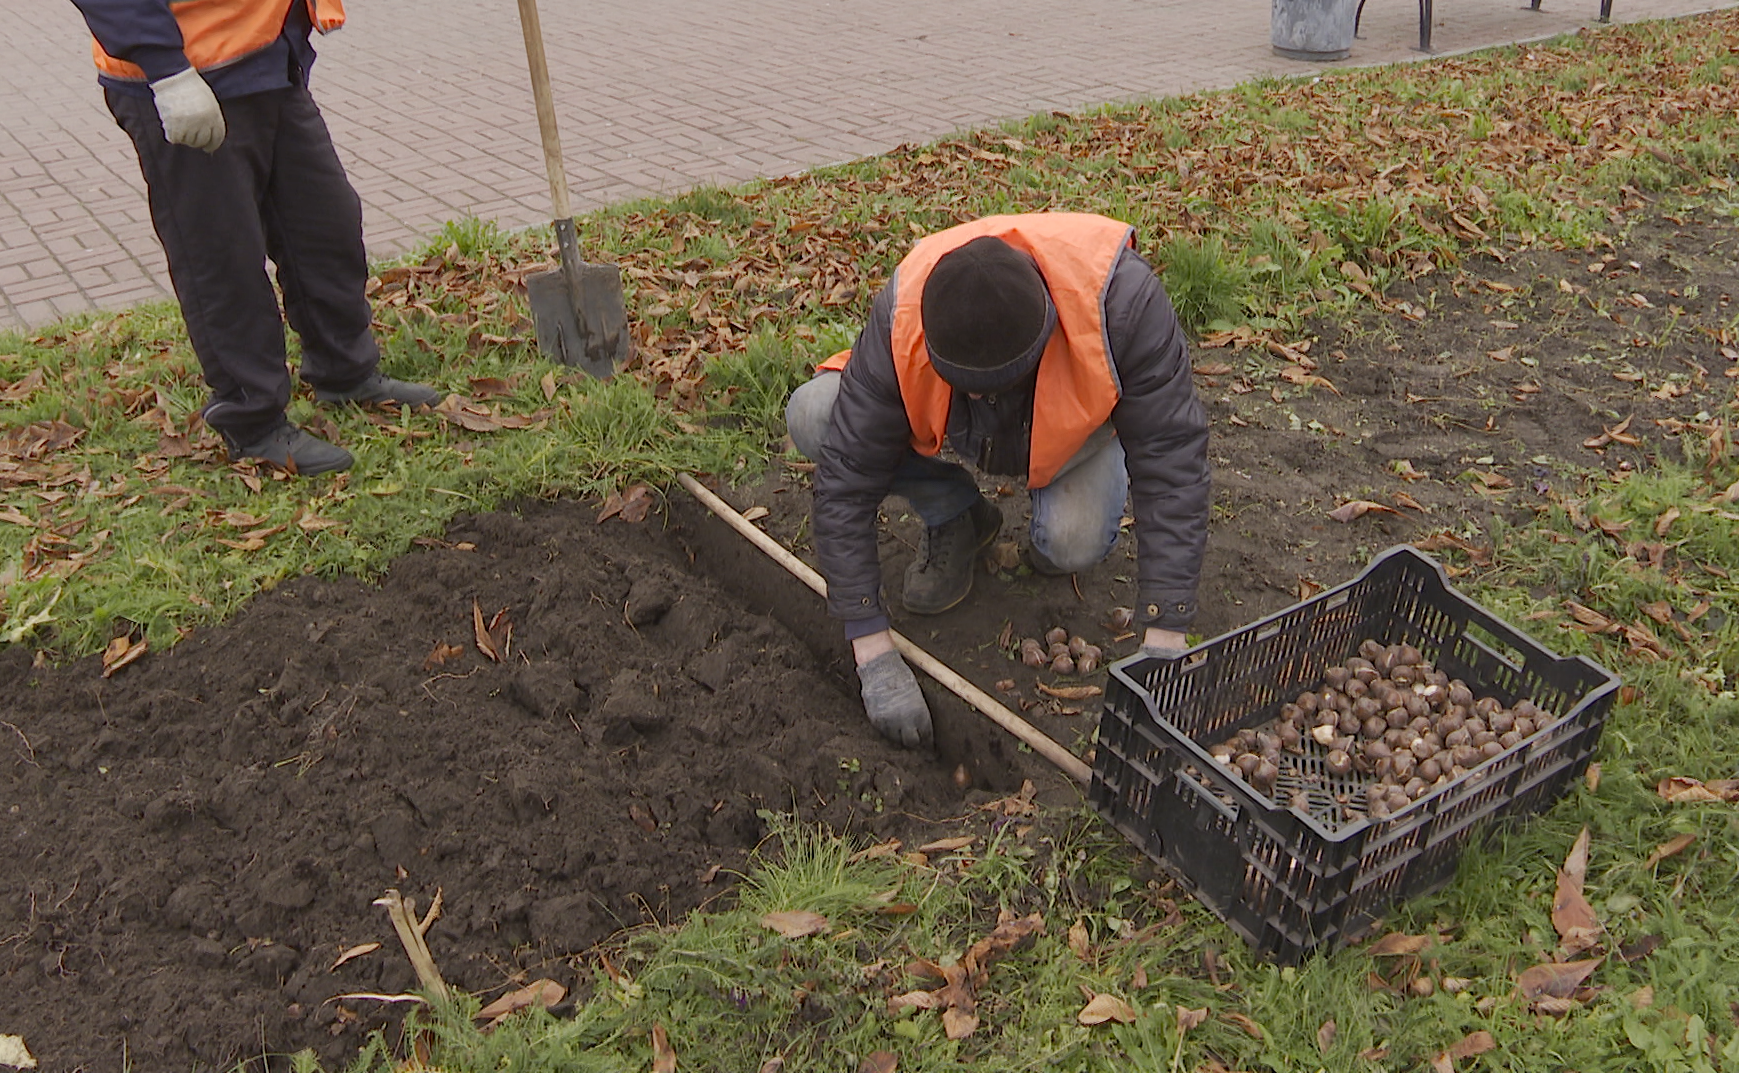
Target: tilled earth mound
<point>193,841</point>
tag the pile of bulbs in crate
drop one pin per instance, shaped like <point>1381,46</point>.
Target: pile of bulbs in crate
<point>1387,716</point>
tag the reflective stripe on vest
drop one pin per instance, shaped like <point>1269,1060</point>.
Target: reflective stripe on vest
<point>215,33</point>
<point>1077,386</point>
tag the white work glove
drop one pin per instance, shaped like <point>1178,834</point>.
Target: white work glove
<point>189,110</point>
<point>894,702</point>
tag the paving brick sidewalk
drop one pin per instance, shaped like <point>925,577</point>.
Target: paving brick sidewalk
<point>429,104</point>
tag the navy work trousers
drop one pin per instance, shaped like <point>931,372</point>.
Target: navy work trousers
<point>274,189</point>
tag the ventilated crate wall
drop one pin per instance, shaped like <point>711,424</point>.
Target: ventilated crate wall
<point>1286,882</point>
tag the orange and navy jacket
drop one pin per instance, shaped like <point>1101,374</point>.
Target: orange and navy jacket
<point>1117,356</point>
<point>239,46</point>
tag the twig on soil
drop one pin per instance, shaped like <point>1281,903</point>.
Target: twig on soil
<point>403,912</point>
<point>31,759</point>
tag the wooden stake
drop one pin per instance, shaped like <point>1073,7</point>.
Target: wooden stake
<point>403,913</point>
<point>1070,764</point>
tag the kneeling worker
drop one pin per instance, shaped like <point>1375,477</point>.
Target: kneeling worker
<point>1039,346</point>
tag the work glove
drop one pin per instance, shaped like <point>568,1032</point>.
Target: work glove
<point>189,110</point>
<point>894,702</point>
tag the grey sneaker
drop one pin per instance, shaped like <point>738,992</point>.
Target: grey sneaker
<point>382,390</point>
<point>942,575</point>
<point>293,450</point>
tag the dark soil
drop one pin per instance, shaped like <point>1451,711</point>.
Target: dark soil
<point>193,842</point>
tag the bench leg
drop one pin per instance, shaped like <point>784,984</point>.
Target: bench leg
<point>1359,15</point>
<point>1424,25</point>
<point>1605,10</point>
<point>1534,5</point>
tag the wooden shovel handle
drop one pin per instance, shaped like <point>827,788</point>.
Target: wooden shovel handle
<point>546,109</point>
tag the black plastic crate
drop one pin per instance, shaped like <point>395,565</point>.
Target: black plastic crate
<point>1286,882</point>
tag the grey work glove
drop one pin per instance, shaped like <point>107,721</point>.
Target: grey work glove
<point>189,110</point>
<point>894,702</point>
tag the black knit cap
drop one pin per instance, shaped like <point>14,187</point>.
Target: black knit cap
<point>986,315</point>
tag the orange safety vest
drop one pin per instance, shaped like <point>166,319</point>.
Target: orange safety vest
<point>219,32</point>
<point>1077,388</point>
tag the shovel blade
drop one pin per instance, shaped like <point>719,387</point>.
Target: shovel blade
<point>585,324</point>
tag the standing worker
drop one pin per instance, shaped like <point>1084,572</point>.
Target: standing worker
<point>1039,346</point>
<point>239,167</point>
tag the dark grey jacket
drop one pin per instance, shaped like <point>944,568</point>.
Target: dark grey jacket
<point>1158,419</point>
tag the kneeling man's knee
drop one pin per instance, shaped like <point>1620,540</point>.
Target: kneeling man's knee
<point>809,412</point>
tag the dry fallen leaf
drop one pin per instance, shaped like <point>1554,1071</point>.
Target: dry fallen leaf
<point>544,993</point>
<point>441,654</point>
<point>1106,1007</point>
<point>1577,925</point>
<point>352,953</point>
<point>1188,1018</point>
<point>1555,979</point>
<point>1591,776</point>
<point>494,638</point>
<point>1325,1036</point>
<point>1468,1046</point>
<point>1016,933</point>
<point>1680,789</point>
<point>663,1055</point>
<point>1251,1028</point>
<point>1358,508</point>
<point>1672,847</point>
<point>794,923</point>
<point>630,505</point>
<point>1395,944</point>
<point>1079,944</point>
<point>880,849</point>
<point>879,1062</point>
<point>1068,692</point>
<point>121,651</point>
<point>755,513</point>
<point>958,1022</point>
<point>948,845</point>
<point>917,1000</point>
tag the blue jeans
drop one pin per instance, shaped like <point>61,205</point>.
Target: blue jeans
<point>1075,517</point>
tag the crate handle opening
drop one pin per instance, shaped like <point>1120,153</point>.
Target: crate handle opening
<point>1496,647</point>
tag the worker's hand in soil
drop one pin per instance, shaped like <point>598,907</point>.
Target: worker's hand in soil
<point>1163,644</point>
<point>893,700</point>
<point>189,110</point>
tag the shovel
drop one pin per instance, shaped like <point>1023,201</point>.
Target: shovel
<point>578,307</point>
